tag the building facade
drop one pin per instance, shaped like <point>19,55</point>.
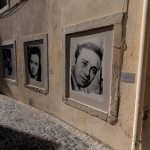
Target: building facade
<point>56,27</point>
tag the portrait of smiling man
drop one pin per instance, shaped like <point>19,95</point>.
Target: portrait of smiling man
<point>88,61</point>
<point>34,62</point>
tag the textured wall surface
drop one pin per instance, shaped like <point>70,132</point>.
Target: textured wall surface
<point>50,17</point>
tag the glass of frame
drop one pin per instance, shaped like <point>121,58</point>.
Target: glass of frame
<point>4,5</point>
<point>91,66</point>
<point>8,61</point>
<point>35,63</point>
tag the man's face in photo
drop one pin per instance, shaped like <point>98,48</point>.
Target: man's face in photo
<point>34,64</point>
<point>86,67</point>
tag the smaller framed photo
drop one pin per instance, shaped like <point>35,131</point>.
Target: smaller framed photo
<point>35,63</point>
<point>4,5</point>
<point>8,61</point>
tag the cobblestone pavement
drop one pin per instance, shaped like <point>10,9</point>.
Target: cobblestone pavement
<point>23,127</point>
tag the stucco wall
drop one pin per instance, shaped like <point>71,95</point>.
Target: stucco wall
<point>50,17</point>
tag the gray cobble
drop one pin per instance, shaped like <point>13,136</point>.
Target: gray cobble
<point>23,127</point>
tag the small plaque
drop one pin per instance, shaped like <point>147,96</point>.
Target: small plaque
<point>128,77</point>
<point>50,71</point>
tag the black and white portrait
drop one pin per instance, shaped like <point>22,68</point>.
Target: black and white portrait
<point>86,66</point>
<point>91,65</point>
<point>34,62</point>
<point>7,62</point>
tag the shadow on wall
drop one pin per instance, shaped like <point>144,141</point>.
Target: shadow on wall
<point>14,140</point>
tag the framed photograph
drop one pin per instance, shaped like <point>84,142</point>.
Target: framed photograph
<point>91,66</point>
<point>4,5</point>
<point>35,63</point>
<point>8,61</point>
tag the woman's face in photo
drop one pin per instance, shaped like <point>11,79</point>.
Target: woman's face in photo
<point>34,64</point>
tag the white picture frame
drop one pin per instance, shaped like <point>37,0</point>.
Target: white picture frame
<point>8,61</point>
<point>31,44</point>
<point>106,33</point>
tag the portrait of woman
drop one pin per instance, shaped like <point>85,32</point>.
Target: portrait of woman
<point>34,62</point>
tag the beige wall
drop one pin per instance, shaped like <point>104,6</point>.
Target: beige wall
<point>50,17</point>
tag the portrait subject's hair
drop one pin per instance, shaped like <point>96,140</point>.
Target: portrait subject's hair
<point>32,50</point>
<point>91,46</point>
